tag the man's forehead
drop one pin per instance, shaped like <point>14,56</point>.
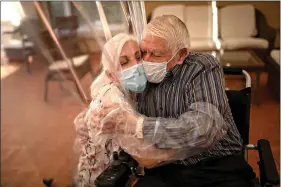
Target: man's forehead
<point>153,43</point>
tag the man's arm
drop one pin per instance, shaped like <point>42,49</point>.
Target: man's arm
<point>203,124</point>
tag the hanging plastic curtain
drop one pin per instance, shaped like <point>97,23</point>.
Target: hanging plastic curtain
<point>120,57</point>
<point>138,17</point>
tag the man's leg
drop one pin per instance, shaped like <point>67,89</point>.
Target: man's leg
<point>162,176</point>
<point>230,171</point>
<point>151,181</point>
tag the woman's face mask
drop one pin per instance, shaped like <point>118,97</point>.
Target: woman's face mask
<point>134,78</point>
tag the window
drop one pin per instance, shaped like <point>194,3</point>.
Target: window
<point>59,9</point>
<point>112,10</point>
<point>90,8</point>
<point>12,12</point>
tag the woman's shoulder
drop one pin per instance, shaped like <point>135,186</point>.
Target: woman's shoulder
<point>98,83</point>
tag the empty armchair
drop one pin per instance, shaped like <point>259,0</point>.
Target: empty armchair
<point>275,55</point>
<point>176,10</point>
<point>199,22</point>
<point>238,28</point>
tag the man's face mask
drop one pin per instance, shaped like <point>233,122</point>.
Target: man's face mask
<point>134,78</point>
<point>156,71</point>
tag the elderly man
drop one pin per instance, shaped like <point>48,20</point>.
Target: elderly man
<point>184,108</point>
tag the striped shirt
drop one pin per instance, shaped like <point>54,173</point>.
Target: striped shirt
<point>174,118</point>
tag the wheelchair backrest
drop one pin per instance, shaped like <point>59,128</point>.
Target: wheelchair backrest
<point>240,103</point>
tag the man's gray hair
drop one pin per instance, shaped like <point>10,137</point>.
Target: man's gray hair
<point>171,29</point>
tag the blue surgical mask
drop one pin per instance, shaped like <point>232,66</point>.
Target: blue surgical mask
<point>134,78</point>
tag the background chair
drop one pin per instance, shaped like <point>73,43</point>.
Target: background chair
<point>198,20</point>
<point>20,49</point>
<point>253,33</point>
<point>81,65</point>
<point>273,68</point>
<point>66,31</point>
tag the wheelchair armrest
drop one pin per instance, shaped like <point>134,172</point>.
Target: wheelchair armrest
<point>268,170</point>
<point>238,71</point>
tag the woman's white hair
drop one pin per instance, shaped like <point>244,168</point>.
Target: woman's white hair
<point>110,60</point>
<point>111,51</point>
<point>171,29</point>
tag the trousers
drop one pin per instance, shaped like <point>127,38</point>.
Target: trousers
<point>230,171</point>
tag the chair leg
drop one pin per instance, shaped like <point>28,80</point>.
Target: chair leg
<point>46,87</point>
<point>28,58</point>
<point>61,85</point>
<point>48,182</point>
<point>78,91</point>
<point>89,67</point>
<point>93,75</point>
<point>27,64</point>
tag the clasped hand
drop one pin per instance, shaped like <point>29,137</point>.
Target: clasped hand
<point>114,118</point>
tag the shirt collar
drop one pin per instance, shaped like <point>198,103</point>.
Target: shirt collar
<point>174,70</point>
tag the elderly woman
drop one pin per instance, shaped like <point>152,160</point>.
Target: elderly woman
<point>122,77</point>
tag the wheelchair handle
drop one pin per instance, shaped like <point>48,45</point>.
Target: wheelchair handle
<point>238,71</point>
<point>232,71</point>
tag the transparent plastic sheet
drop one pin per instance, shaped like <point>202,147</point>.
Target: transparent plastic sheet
<point>203,126</point>
<point>92,159</point>
<point>113,108</point>
<point>138,17</point>
<point>105,90</point>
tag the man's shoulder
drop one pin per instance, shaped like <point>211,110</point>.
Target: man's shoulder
<point>203,60</point>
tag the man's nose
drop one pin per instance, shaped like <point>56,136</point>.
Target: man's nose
<point>134,61</point>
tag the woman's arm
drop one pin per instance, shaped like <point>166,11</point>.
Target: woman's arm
<point>81,130</point>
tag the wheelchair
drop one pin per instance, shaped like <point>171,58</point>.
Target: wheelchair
<point>240,104</point>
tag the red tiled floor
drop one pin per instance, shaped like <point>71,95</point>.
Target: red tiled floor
<point>37,137</point>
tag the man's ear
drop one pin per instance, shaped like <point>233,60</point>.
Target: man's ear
<point>182,54</point>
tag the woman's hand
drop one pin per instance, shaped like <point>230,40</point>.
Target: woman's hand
<point>115,118</point>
